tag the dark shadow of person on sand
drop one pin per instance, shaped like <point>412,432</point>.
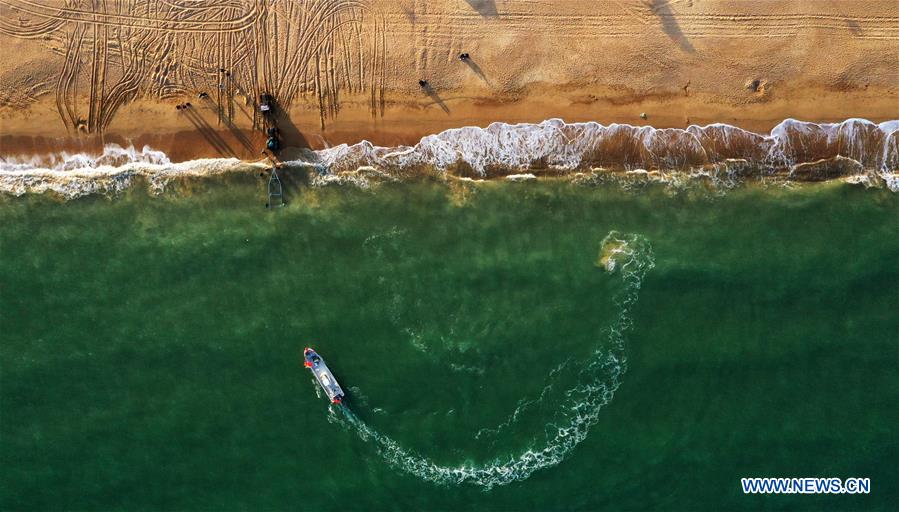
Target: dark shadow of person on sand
<point>477,69</point>
<point>662,9</point>
<point>236,132</point>
<point>486,8</point>
<point>290,134</point>
<point>429,90</point>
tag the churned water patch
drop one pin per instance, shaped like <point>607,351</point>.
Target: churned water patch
<point>631,257</point>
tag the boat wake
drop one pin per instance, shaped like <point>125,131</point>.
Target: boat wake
<point>627,255</point>
<point>856,150</point>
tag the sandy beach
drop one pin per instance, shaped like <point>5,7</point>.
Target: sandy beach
<point>74,78</point>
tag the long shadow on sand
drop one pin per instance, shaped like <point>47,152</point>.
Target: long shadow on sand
<point>486,8</point>
<point>212,137</point>
<point>477,70</point>
<point>290,134</point>
<point>235,131</point>
<point>429,90</point>
<point>662,9</point>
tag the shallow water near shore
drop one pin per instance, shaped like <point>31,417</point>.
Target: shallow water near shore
<point>855,150</point>
<point>151,346</point>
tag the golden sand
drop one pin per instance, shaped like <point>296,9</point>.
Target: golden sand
<point>344,70</point>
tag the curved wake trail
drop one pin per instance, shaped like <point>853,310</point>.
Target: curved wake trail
<point>631,257</point>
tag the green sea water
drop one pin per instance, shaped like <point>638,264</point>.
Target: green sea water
<point>150,348</point>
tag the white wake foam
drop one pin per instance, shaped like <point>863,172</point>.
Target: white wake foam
<point>626,254</point>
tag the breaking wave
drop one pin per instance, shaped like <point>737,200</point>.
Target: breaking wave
<point>628,255</point>
<point>115,170</point>
<point>558,145</point>
<point>855,149</point>
<point>793,149</point>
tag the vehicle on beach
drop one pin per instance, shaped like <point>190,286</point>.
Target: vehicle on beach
<point>323,375</point>
<point>267,109</point>
<point>273,143</point>
<point>266,104</point>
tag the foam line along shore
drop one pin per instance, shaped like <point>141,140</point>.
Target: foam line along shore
<point>856,150</point>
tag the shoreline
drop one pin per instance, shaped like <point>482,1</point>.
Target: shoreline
<point>855,151</point>
<point>69,83</point>
<point>64,186</point>
<point>408,119</point>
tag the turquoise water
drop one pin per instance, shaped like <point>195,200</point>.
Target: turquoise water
<point>150,354</point>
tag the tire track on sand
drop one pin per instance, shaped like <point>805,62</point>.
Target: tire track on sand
<point>131,21</point>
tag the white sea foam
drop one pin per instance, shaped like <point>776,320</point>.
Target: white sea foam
<point>524,404</point>
<point>630,256</point>
<point>554,144</point>
<point>716,151</point>
<point>521,177</point>
<point>113,156</point>
<point>115,170</point>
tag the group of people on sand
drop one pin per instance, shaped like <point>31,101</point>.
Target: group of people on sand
<point>424,84</point>
<point>267,109</point>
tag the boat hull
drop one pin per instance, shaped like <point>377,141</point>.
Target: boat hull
<point>323,375</point>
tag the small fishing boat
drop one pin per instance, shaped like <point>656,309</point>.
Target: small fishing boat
<point>323,375</point>
<point>275,191</point>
